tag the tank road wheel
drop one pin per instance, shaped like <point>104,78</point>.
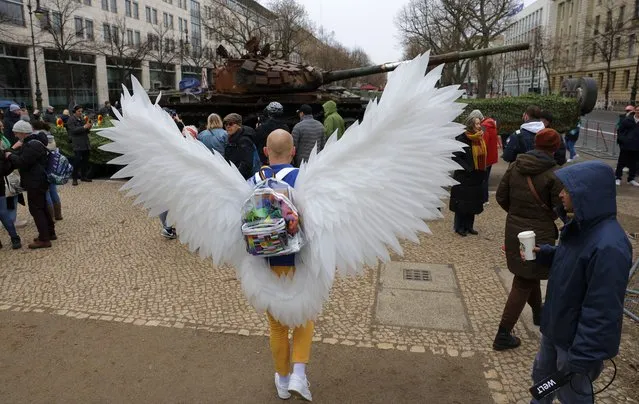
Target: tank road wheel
<point>586,93</point>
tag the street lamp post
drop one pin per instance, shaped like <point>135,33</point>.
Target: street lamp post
<point>38,93</point>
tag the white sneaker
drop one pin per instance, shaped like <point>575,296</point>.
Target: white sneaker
<point>282,388</point>
<point>618,182</point>
<point>569,161</point>
<point>299,387</point>
<point>634,183</point>
<point>576,155</point>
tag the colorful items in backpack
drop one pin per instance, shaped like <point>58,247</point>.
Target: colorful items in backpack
<point>100,120</point>
<point>59,123</point>
<point>270,221</point>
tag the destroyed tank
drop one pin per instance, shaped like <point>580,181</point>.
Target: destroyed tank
<point>248,84</point>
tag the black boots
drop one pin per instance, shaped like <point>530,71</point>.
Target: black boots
<point>16,243</point>
<point>537,316</point>
<point>505,340</point>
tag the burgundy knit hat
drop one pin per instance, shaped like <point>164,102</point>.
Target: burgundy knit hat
<point>547,140</point>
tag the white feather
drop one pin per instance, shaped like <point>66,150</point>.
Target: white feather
<point>357,197</point>
<point>383,178</point>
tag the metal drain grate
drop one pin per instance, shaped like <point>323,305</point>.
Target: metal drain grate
<point>417,275</point>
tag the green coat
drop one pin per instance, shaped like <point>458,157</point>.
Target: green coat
<point>332,120</point>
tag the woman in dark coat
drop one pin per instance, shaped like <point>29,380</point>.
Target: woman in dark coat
<point>530,206</point>
<point>466,198</point>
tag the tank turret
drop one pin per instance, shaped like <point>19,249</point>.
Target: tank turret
<point>253,74</point>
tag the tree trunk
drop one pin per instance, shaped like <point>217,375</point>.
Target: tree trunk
<point>483,71</point>
<point>635,83</point>
<point>607,90</point>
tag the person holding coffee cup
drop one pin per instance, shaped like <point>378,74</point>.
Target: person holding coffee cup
<point>529,192</point>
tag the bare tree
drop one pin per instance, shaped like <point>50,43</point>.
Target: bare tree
<point>489,19</point>
<point>123,47</point>
<point>548,53</point>
<point>62,36</point>
<point>162,49</point>
<point>291,27</point>
<point>438,26</point>
<point>607,42</point>
<point>234,23</point>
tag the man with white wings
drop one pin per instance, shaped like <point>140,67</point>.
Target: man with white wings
<point>380,183</point>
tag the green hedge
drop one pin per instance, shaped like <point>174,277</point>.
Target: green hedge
<point>507,111</point>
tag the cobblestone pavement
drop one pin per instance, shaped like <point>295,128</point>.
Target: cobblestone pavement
<point>110,263</point>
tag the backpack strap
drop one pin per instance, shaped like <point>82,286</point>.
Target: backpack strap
<point>284,172</point>
<point>541,203</point>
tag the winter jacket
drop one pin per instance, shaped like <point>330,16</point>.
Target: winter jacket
<point>262,132</point>
<point>5,166</point>
<point>492,144</point>
<point>49,117</point>
<point>628,134</point>
<point>239,151</point>
<point>214,139</point>
<point>78,134</point>
<point>332,120</point>
<point>523,141</point>
<point>622,118</point>
<point>10,119</point>
<point>306,134</point>
<point>467,196</point>
<point>584,303</point>
<point>31,160</point>
<point>524,212</point>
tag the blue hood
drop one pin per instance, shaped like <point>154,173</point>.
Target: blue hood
<point>591,186</point>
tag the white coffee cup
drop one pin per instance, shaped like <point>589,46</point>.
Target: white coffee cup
<point>527,244</point>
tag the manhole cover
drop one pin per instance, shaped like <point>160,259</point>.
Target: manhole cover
<point>417,275</point>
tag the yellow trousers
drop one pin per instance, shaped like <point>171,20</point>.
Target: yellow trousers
<point>280,345</point>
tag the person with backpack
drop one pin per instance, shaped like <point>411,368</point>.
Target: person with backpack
<point>214,137</point>
<point>30,156</point>
<point>280,151</point>
<point>240,149</point>
<point>54,204</point>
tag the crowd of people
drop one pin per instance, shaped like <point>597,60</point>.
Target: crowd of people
<point>586,261</point>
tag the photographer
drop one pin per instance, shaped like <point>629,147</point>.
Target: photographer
<point>79,134</point>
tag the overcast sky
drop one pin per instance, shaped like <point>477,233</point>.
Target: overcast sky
<point>369,24</point>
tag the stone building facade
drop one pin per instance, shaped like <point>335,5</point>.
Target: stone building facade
<point>98,33</point>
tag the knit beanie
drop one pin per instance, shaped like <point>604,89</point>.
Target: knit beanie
<point>22,127</point>
<point>475,113</point>
<point>547,140</point>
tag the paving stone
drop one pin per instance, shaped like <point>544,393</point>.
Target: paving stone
<point>111,263</point>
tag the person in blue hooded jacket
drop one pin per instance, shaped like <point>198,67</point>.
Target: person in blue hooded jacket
<point>582,316</point>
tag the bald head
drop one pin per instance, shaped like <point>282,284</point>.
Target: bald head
<point>279,147</point>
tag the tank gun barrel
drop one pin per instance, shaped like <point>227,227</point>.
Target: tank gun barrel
<point>338,75</point>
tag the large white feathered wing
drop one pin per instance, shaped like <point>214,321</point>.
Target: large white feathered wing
<point>382,179</point>
<point>201,191</point>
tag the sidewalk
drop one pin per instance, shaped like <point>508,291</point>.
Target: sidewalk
<point>53,359</point>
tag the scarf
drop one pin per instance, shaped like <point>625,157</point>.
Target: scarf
<point>478,147</point>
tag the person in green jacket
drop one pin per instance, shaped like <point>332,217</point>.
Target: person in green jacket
<point>332,120</point>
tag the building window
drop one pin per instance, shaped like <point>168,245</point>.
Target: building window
<point>626,78</point>
<point>87,2</point>
<point>154,12</point>
<point>617,47</point>
<point>180,24</point>
<point>105,5</point>
<point>106,32</point>
<point>597,20</point>
<point>147,11</point>
<point>136,10</point>
<point>137,38</point>
<point>171,21</point>
<point>88,29</point>
<point>622,11</point>
<point>79,27</point>
<point>613,79</point>
<point>129,37</point>
<point>127,8</point>
<point>114,6</point>
<point>165,17</point>
<point>601,80</point>
<point>632,40</point>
